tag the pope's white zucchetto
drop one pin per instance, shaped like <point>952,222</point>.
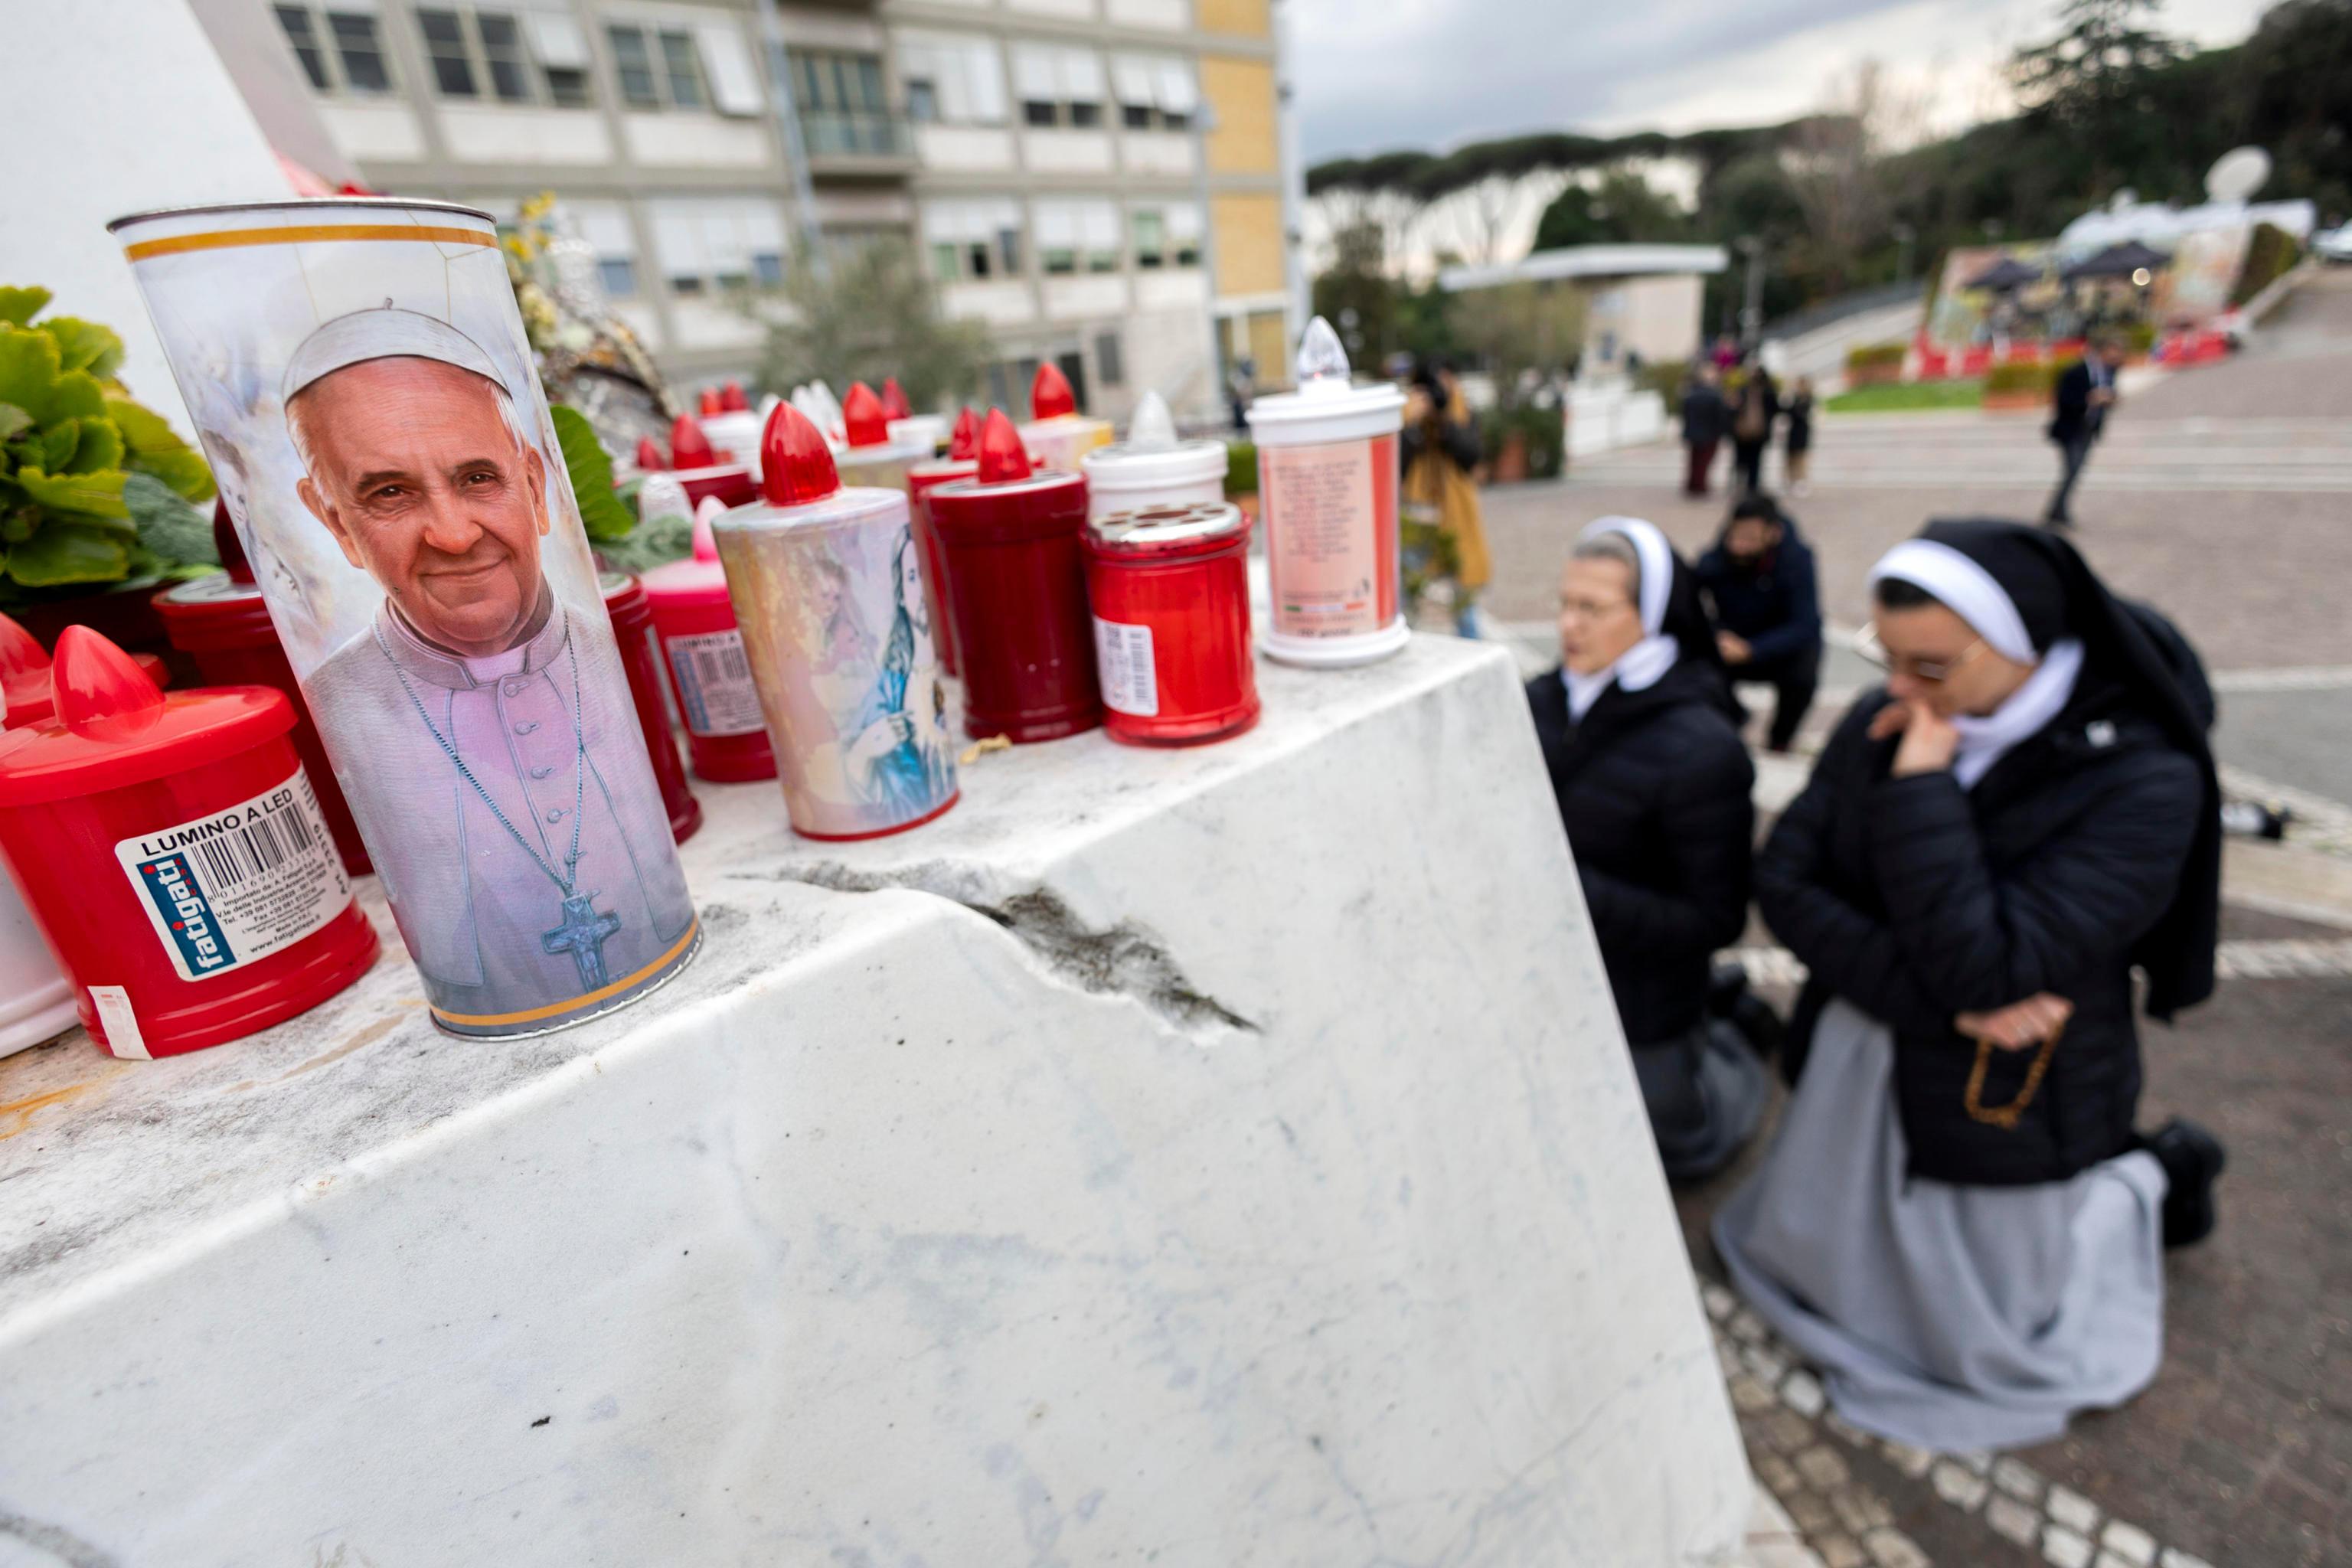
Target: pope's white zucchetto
<point>383,333</point>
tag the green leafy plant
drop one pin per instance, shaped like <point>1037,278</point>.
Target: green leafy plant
<point>94,488</point>
<point>602,512</point>
<point>1875,356</point>
<point>2020,379</point>
<point>1241,469</point>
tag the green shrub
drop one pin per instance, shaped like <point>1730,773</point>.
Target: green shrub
<point>1667,378</point>
<point>93,486</point>
<point>2008,380</point>
<point>2139,337</point>
<point>1547,436</point>
<point>1876,356</point>
<point>1241,469</point>
<point>2271,251</point>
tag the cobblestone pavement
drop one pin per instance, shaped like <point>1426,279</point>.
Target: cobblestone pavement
<point>2225,495</point>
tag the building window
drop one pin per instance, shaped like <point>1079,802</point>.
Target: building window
<point>359,51</point>
<point>841,104</point>
<point>1059,85</point>
<point>619,276</point>
<point>1077,234</point>
<point>1150,230</point>
<point>444,50</point>
<point>1155,92</point>
<point>972,240</point>
<point>718,243</point>
<point>950,79</point>
<point>1109,367</point>
<point>302,33</point>
<point>685,71</point>
<point>560,50</point>
<point>502,52</point>
<point>633,63</point>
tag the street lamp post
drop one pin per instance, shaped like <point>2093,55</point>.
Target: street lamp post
<point>1751,310</point>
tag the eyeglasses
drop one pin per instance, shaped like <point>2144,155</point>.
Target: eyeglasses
<point>1594,609</point>
<point>1935,673</point>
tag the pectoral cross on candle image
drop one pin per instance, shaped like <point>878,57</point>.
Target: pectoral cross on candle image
<point>581,934</point>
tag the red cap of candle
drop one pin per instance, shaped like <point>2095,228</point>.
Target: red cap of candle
<point>1002,456</point>
<point>227,544</point>
<point>795,464</point>
<point>688,447</point>
<point>24,671</point>
<point>1050,396</point>
<point>649,456</point>
<point>114,726</point>
<point>894,399</point>
<point>963,441</point>
<point>731,399</point>
<point>864,420</point>
<point>708,402</point>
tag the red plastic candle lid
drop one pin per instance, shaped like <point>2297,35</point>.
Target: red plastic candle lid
<point>1002,458</point>
<point>708,402</point>
<point>894,400</point>
<point>1050,396</point>
<point>696,582</point>
<point>864,421</point>
<point>795,464</point>
<point>731,399</point>
<point>649,455</point>
<point>963,441</point>
<point>688,447</point>
<point>30,679</point>
<point>114,726</point>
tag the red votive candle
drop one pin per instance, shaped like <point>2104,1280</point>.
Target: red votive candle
<point>1016,591</point>
<point>962,462</point>
<point>633,630</point>
<point>1170,587</point>
<point>702,649</point>
<point>225,627</point>
<point>173,853</point>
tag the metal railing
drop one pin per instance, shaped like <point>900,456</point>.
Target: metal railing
<point>855,133</point>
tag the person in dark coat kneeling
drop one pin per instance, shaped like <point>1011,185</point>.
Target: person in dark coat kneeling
<point>1760,578</point>
<point>1638,732</point>
<point>1956,1221</point>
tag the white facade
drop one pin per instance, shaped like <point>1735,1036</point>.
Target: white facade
<point>904,109</point>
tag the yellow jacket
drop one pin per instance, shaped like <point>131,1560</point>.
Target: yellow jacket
<point>1434,478</point>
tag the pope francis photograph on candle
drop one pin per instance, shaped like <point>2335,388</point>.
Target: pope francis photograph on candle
<point>481,710</point>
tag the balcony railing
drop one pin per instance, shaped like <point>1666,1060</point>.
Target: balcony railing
<point>855,133</point>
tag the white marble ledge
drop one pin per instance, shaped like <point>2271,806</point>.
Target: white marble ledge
<point>103,1162</point>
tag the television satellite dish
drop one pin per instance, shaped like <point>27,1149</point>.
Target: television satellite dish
<point>2236,174</point>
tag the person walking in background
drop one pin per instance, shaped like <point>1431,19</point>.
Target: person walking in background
<point>1759,579</point>
<point>2079,401</point>
<point>1801,435</point>
<point>1957,1222</point>
<point>1639,736</point>
<point>1440,452</point>
<point>1705,416</point>
<point>1755,404</point>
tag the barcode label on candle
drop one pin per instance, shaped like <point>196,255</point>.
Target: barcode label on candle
<point>241,883</point>
<point>1123,654</point>
<point>714,683</point>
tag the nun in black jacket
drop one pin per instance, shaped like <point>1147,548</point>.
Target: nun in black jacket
<point>1956,1221</point>
<point>1639,735</point>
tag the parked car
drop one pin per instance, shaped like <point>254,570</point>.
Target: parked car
<point>2332,244</point>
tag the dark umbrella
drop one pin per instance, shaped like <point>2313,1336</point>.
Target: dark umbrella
<point>2004,274</point>
<point>2117,261</point>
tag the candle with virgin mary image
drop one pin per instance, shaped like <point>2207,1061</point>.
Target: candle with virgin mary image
<point>360,369</point>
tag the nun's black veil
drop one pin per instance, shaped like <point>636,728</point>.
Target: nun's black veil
<point>2058,595</point>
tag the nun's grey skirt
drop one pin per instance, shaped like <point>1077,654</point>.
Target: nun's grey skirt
<point>1951,1317</point>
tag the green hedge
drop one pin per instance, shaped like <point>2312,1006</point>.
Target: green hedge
<point>1875,356</point>
<point>1547,436</point>
<point>2003,380</point>
<point>2271,251</point>
<point>1667,378</point>
<point>1241,469</point>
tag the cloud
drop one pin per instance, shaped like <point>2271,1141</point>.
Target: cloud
<point>1435,73</point>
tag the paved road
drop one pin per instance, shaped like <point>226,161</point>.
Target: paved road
<point>2221,495</point>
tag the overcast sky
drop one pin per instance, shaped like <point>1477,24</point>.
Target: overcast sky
<point>1377,75</point>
